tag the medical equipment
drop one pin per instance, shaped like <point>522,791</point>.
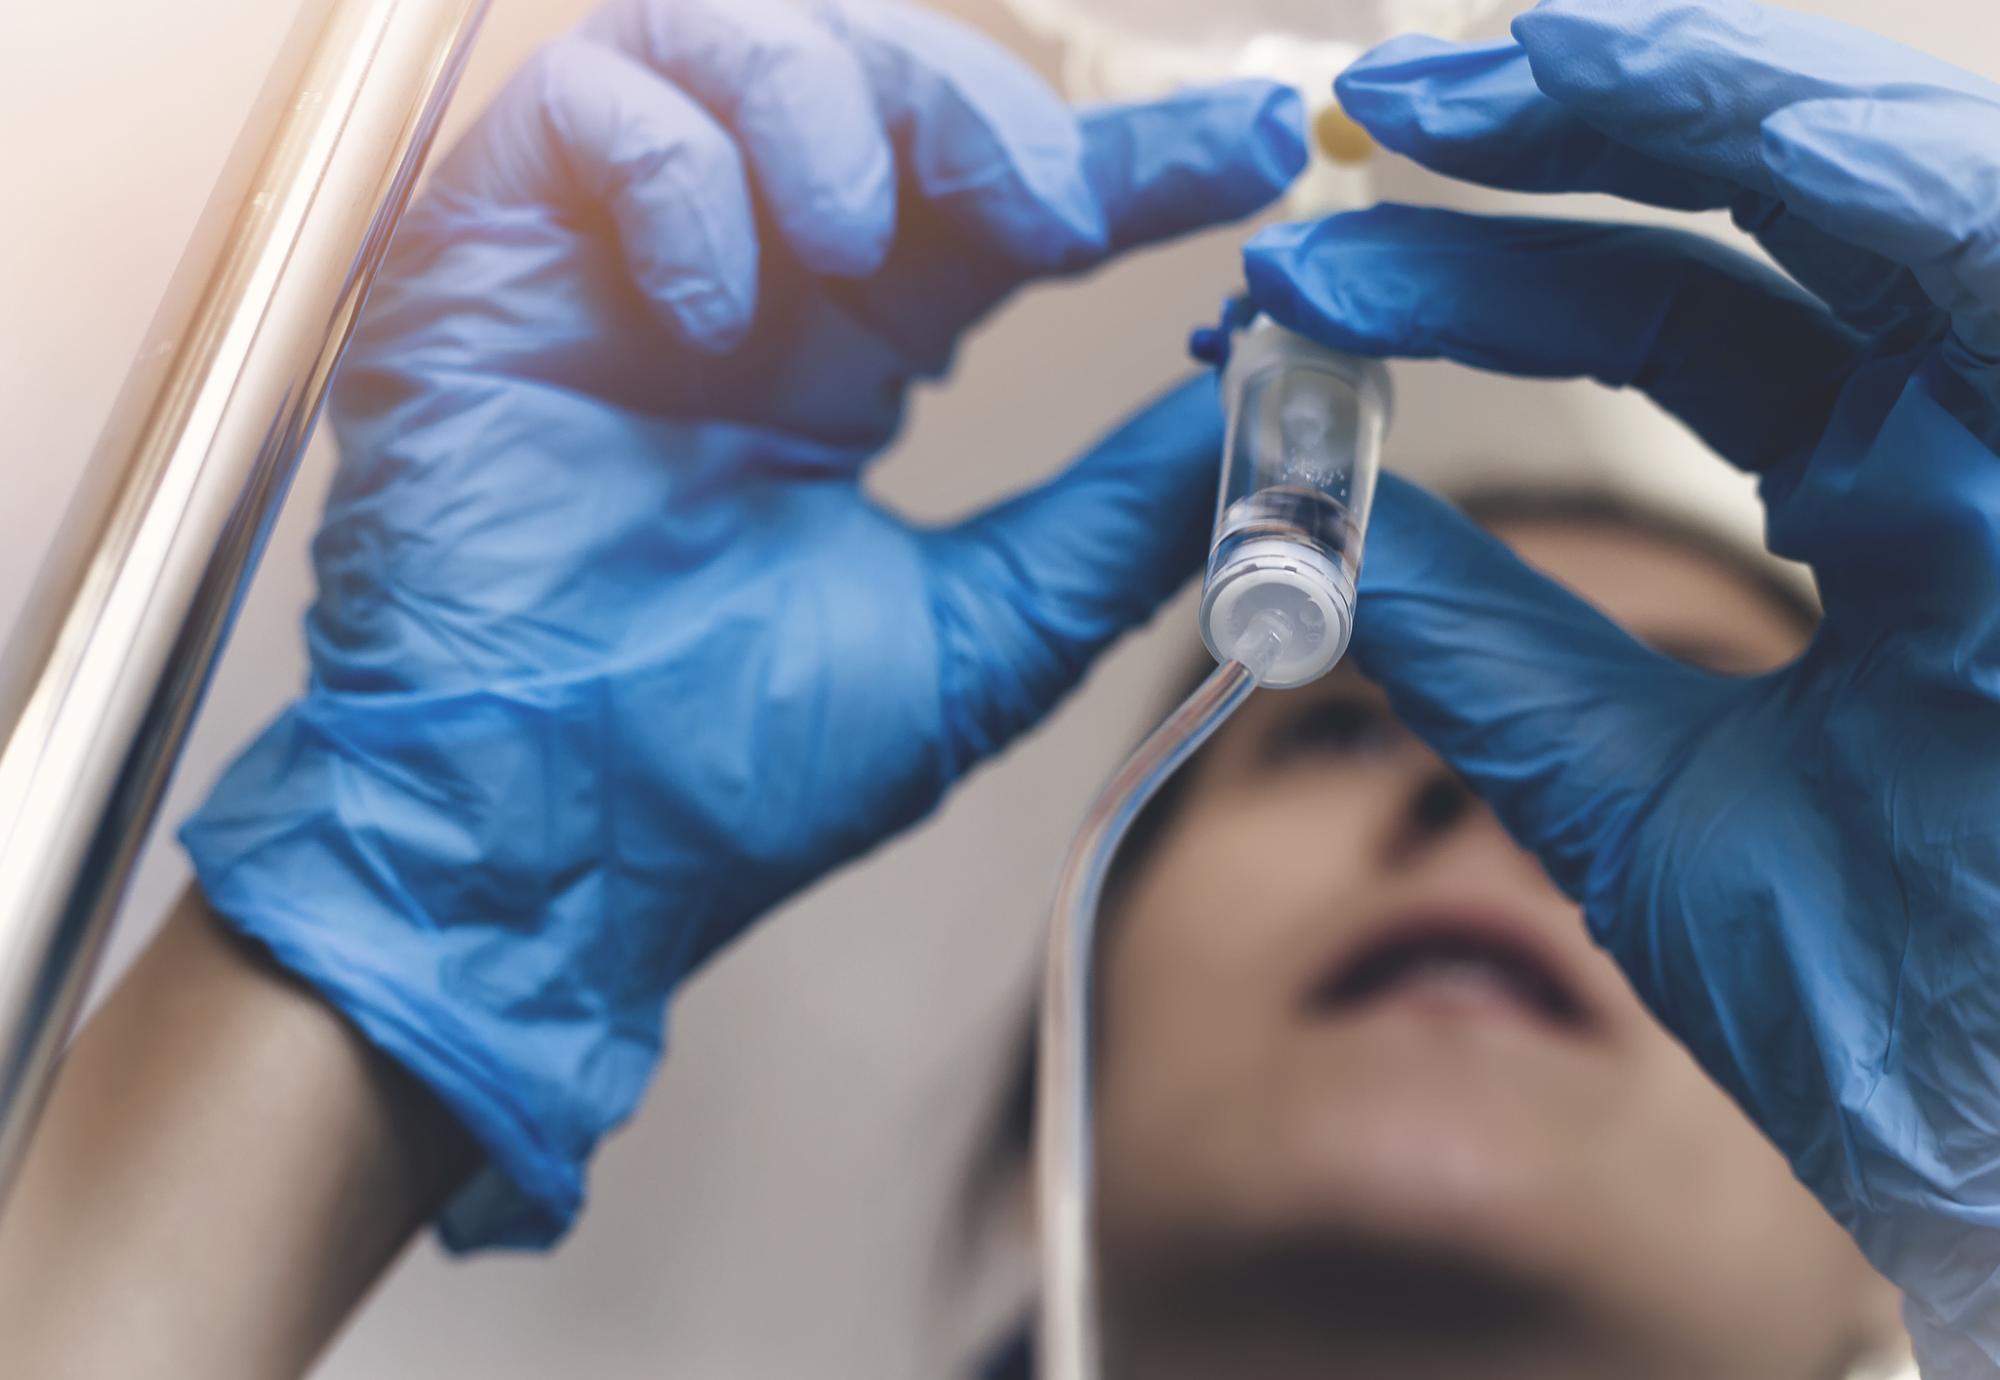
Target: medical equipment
<point>1126,49</point>
<point>99,686</point>
<point>1303,444</point>
<point>1298,475</point>
<point>1132,49</point>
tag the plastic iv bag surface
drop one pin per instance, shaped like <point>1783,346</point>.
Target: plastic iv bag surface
<point>1122,49</point>
<point>1136,49</point>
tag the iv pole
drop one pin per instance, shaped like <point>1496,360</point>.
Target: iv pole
<point>100,683</point>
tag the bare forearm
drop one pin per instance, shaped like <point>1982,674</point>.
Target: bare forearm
<point>224,1170</point>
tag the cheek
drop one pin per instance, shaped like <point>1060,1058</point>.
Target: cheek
<point>1203,971</point>
<point>1242,890</point>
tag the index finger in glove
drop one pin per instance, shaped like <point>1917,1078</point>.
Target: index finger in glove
<point>1003,158</point>
<point>1475,112</point>
<point>1898,531</point>
<point>1742,356</point>
<point>1840,124</point>
<point>1203,156</point>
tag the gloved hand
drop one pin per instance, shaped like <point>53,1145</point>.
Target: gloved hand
<point>1800,872</point>
<point>612,651</point>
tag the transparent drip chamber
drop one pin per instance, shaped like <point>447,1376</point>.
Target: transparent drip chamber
<point>1304,441</point>
<point>1298,478</point>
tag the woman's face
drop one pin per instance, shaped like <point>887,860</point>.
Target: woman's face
<point>1372,1104</point>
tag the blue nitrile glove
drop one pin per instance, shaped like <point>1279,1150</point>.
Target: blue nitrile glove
<point>1800,872</point>
<point>612,651</point>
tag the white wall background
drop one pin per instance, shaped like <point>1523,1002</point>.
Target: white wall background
<point>773,1212</point>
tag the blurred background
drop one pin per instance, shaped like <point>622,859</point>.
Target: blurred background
<point>783,1204</point>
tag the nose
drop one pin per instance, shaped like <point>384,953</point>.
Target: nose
<point>1440,803</point>
<point>1435,805</point>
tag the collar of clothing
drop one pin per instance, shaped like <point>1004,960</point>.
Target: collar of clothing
<point>1014,1359</point>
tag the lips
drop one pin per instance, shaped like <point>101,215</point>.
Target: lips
<point>1456,962</point>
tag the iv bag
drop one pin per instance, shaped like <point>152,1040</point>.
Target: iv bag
<point>1136,49</point>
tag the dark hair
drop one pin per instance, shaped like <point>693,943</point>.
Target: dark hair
<point>1011,1131</point>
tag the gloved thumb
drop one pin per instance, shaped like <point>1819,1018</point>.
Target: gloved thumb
<point>1027,593</point>
<point>1557,717</point>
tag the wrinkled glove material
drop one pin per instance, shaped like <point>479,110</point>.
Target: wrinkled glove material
<point>612,650</point>
<point>1800,872</point>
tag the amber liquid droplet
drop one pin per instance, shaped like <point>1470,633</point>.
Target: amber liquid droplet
<point>1341,139</point>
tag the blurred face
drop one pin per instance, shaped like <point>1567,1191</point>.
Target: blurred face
<point>1372,1104</point>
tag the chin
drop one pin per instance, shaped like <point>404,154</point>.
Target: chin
<point>1320,1305</point>
<point>1439,1136</point>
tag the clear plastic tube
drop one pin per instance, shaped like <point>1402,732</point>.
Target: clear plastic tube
<point>1305,434</point>
<point>1063,1163</point>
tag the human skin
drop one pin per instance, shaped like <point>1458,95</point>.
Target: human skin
<point>148,1235</point>
<point>1493,1162</point>
<point>224,1171</point>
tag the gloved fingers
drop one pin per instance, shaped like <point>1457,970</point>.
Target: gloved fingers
<point>1876,296</point>
<point>1556,717</point>
<point>1899,520</point>
<point>980,137</point>
<point>1917,183</point>
<point>1002,158</point>
<point>1150,171</point>
<point>797,102</point>
<point>1737,89</point>
<point>1744,357</point>
<point>1027,593</point>
<point>1901,530</point>
<point>1475,112</point>
<point>1204,156</point>
<point>583,126</point>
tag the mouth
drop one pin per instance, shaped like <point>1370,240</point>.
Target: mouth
<point>1457,963</point>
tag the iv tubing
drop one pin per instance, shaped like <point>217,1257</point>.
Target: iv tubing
<point>1070,1346</point>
